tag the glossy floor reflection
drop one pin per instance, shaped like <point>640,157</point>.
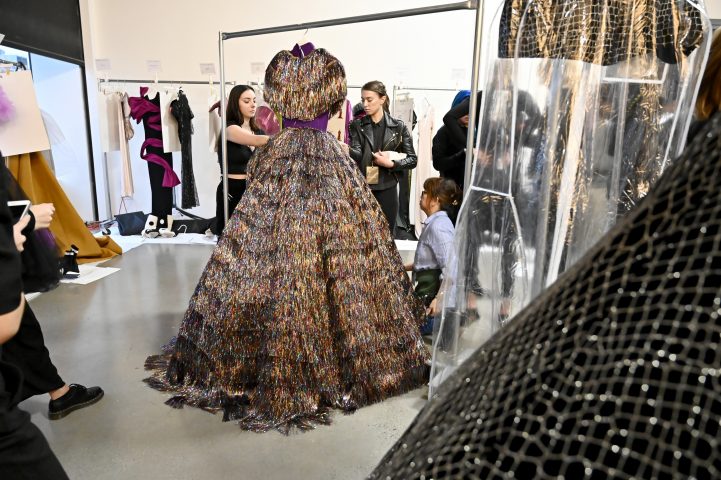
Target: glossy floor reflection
<point>100,334</point>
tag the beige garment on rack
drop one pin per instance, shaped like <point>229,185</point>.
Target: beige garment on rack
<point>424,169</point>
<point>125,133</point>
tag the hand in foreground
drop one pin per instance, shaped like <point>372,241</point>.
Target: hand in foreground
<point>432,309</point>
<point>382,159</point>
<point>17,232</point>
<point>43,214</point>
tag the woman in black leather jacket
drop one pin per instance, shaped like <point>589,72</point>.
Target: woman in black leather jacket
<point>381,146</point>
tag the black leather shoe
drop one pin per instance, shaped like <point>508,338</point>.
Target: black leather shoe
<point>77,397</point>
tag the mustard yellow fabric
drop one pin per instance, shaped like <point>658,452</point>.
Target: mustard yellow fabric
<point>40,185</point>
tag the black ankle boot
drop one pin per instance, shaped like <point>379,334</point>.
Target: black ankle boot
<point>69,263</point>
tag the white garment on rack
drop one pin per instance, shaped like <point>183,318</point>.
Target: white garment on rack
<point>424,169</point>
<point>25,132</point>
<point>214,122</point>
<point>108,106</point>
<point>125,133</point>
<point>403,109</point>
<point>168,124</point>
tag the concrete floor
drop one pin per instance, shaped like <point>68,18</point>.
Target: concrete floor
<point>100,334</point>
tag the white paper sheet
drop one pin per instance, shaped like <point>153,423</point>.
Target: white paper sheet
<point>90,274</point>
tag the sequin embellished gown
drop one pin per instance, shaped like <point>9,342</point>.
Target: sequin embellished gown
<point>304,305</point>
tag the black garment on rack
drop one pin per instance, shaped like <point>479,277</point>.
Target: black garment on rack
<point>404,229</point>
<point>184,116</point>
<point>162,197</point>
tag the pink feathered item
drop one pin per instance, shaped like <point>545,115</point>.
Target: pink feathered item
<point>7,110</point>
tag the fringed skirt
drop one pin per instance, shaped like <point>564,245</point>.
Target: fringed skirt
<point>304,305</point>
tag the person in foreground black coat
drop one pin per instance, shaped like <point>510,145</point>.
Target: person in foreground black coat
<point>24,452</point>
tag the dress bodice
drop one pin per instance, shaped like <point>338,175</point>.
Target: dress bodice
<point>304,83</point>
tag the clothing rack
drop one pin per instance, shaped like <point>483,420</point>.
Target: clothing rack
<point>165,82</point>
<point>429,89</point>
<point>101,81</point>
<point>476,5</point>
<point>18,65</point>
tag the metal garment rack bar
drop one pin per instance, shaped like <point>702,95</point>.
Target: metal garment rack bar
<point>425,89</point>
<point>10,63</point>
<point>102,81</point>
<point>468,5</point>
<point>187,82</point>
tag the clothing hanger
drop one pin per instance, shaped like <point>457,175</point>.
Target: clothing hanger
<point>153,88</point>
<point>304,39</point>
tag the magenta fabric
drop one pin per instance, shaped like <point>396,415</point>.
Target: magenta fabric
<point>7,109</point>
<point>170,178</point>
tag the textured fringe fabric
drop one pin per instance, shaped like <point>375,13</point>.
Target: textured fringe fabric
<point>304,305</point>
<point>303,88</point>
<point>604,32</point>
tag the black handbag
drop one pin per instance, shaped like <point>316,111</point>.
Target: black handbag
<point>130,223</point>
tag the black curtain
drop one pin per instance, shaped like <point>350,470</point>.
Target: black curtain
<point>46,27</point>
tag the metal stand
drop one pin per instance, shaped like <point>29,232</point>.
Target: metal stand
<point>469,5</point>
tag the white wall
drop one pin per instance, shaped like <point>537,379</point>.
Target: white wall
<point>421,51</point>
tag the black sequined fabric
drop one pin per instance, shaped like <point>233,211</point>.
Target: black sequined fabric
<point>600,31</point>
<point>180,108</point>
<point>613,372</point>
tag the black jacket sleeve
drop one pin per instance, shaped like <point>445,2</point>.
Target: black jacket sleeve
<point>445,155</point>
<point>10,266</point>
<point>406,147</point>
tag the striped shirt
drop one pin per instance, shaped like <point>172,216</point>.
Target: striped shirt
<point>435,243</point>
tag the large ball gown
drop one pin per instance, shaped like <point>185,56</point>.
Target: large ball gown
<point>304,305</point>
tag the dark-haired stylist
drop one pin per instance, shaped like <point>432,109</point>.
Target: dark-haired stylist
<point>243,135</point>
<point>381,146</point>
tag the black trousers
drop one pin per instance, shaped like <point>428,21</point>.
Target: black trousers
<point>162,197</point>
<point>236,189</point>
<point>404,200</point>
<point>27,351</point>
<point>388,200</point>
<point>24,452</point>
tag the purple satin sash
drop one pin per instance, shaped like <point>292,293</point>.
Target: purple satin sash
<point>170,178</point>
<point>318,123</point>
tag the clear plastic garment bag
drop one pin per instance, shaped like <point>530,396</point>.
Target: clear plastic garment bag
<point>584,105</point>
